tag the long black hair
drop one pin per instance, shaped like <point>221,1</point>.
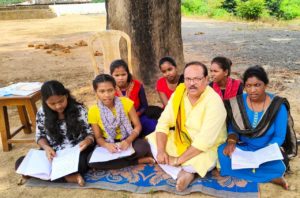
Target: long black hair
<point>120,63</point>
<point>71,112</point>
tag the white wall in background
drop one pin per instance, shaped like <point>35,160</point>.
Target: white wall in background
<point>88,8</point>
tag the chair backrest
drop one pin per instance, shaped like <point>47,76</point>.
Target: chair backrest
<point>110,43</point>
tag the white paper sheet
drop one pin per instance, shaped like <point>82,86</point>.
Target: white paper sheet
<point>101,154</point>
<point>248,159</point>
<point>35,164</point>
<point>170,170</point>
<point>269,153</point>
<point>65,162</point>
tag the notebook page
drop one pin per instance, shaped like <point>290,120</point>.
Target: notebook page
<point>36,164</point>
<point>269,153</point>
<point>65,162</point>
<point>101,154</point>
<point>243,159</point>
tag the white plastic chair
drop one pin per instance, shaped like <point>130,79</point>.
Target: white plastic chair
<point>110,43</point>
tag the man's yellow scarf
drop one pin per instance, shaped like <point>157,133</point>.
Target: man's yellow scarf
<point>182,138</point>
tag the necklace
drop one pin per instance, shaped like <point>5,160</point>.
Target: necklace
<point>263,109</point>
<point>255,116</point>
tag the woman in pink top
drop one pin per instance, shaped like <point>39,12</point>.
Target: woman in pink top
<point>166,85</point>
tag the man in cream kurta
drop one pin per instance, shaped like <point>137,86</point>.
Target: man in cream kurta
<point>190,129</point>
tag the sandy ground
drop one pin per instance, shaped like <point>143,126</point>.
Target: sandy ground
<point>19,62</point>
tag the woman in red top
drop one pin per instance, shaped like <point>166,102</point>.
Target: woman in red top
<point>134,90</point>
<point>166,85</point>
<point>225,86</point>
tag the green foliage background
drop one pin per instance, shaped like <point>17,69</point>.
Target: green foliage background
<point>251,9</point>
<point>247,9</point>
<point>290,9</point>
<point>9,2</point>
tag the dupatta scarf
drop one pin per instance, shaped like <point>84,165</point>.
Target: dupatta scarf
<point>231,90</point>
<point>132,92</point>
<point>237,116</point>
<point>182,138</point>
<point>112,123</point>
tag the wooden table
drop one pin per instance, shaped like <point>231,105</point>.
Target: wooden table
<point>27,108</point>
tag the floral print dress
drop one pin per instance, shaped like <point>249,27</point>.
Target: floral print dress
<point>42,132</point>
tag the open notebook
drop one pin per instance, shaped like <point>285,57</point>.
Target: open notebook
<point>252,159</point>
<point>101,154</point>
<point>37,165</point>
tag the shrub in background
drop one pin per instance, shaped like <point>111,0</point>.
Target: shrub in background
<point>274,7</point>
<point>229,5</point>
<point>215,8</point>
<point>211,8</point>
<point>248,9</point>
<point>10,2</point>
<point>192,7</point>
<point>251,9</point>
<point>290,9</point>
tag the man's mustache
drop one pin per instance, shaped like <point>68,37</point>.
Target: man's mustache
<point>193,87</point>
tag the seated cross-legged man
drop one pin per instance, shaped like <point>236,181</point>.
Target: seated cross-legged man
<point>190,129</point>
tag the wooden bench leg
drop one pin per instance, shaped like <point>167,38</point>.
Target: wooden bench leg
<point>31,109</point>
<point>24,119</point>
<point>4,128</point>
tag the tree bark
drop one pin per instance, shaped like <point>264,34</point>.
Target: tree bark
<point>154,27</point>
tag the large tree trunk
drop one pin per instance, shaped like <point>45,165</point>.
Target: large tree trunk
<point>154,27</point>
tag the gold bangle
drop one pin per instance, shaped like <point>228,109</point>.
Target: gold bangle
<point>231,141</point>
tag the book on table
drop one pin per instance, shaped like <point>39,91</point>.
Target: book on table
<point>36,164</point>
<point>101,154</point>
<point>252,159</point>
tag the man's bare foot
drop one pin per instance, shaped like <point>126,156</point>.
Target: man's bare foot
<point>75,178</point>
<point>146,160</point>
<point>281,182</point>
<point>183,180</point>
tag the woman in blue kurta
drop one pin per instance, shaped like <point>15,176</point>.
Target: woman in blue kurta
<point>256,119</point>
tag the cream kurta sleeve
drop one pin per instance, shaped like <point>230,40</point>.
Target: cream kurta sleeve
<point>165,121</point>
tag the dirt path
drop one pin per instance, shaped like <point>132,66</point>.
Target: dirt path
<point>244,44</point>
